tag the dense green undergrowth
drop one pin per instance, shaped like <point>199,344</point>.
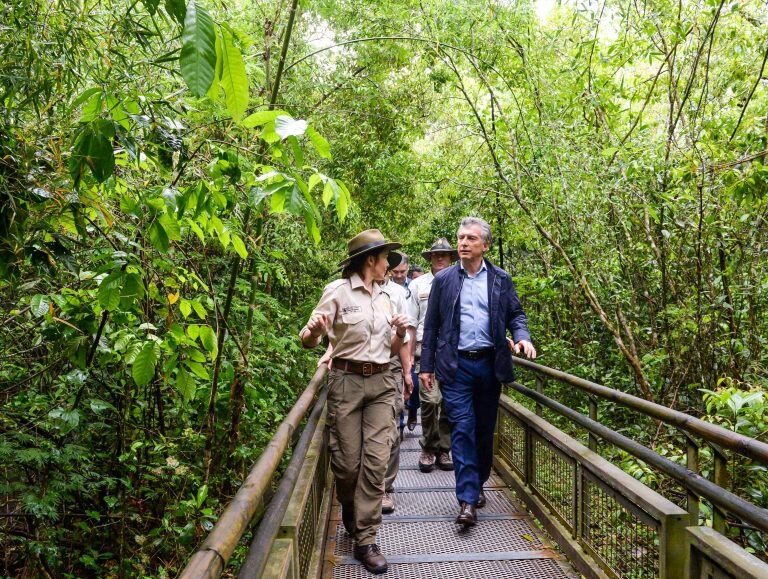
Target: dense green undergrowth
<point>177,182</point>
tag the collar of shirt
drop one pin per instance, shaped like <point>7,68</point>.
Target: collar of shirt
<point>355,281</point>
<point>483,268</point>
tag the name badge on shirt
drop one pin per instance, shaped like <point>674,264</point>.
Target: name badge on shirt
<point>351,309</point>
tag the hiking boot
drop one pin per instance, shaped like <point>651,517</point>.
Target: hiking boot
<point>412,418</point>
<point>467,515</point>
<point>444,461</point>
<point>371,558</point>
<point>348,518</point>
<point>387,504</point>
<point>426,461</point>
<point>481,499</point>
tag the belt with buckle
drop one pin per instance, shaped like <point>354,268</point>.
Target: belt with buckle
<point>476,354</point>
<point>361,368</point>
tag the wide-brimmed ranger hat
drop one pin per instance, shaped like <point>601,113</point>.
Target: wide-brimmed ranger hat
<point>369,241</point>
<point>441,246</point>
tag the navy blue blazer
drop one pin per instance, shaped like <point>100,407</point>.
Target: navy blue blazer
<point>440,343</point>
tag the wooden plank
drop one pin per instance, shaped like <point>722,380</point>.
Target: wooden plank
<point>726,554</point>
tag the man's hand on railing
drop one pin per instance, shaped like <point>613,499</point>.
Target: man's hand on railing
<point>427,380</point>
<point>522,346</point>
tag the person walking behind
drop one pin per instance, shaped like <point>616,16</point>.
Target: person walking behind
<point>400,366</point>
<point>357,315</point>
<point>400,273</point>
<point>436,429</point>
<point>471,307</point>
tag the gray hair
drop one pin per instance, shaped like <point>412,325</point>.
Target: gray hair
<point>482,224</point>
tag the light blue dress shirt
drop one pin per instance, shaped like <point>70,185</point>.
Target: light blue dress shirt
<point>475,328</point>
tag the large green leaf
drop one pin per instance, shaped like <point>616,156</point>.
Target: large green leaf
<point>320,143</point>
<point>233,77</point>
<point>185,384</point>
<point>40,305</point>
<point>93,148</point>
<point>109,290</point>
<point>176,9</point>
<point>143,368</point>
<point>198,49</point>
<point>261,118</point>
<point>159,237</point>
<point>208,339</point>
<point>171,226</point>
<point>239,246</point>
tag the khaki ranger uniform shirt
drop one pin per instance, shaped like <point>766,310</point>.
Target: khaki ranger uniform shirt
<point>417,304</point>
<point>360,321</point>
<point>399,297</point>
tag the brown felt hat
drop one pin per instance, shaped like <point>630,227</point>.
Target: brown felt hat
<point>441,246</point>
<point>369,241</point>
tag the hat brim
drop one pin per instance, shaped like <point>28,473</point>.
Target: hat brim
<point>376,249</point>
<point>428,254</point>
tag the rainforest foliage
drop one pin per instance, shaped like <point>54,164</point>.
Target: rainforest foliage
<point>178,179</point>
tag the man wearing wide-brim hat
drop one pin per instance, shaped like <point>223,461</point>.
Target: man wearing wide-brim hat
<point>357,315</point>
<point>436,430</point>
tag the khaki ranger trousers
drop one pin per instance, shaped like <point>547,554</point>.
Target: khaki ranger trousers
<point>394,455</point>
<point>361,417</point>
<point>435,427</point>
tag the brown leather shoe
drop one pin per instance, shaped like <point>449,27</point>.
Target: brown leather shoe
<point>481,499</point>
<point>467,515</point>
<point>371,558</point>
<point>348,518</point>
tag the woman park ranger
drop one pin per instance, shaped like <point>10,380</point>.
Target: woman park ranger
<point>357,315</point>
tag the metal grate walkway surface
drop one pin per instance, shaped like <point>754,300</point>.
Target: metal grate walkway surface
<point>420,539</point>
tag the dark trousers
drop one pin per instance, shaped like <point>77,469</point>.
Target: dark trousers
<point>413,401</point>
<point>472,401</point>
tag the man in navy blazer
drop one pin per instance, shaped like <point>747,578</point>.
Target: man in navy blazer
<point>471,307</point>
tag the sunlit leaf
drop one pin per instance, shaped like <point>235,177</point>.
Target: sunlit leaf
<point>233,77</point>
<point>286,127</point>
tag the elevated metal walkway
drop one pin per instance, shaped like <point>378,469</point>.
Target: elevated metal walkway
<point>602,522</point>
<point>420,539</point>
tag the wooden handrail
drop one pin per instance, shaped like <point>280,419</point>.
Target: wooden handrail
<point>212,556</point>
<point>719,496</point>
<point>713,433</point>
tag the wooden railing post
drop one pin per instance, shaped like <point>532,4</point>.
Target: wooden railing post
<point>673,545</point>
<point>540,383</point>
<point>692,463</point>
<point>593,416</point>
<point>720,478</point>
